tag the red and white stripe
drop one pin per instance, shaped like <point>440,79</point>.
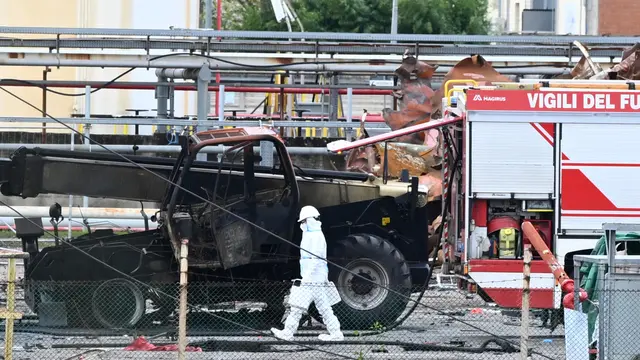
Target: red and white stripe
<point>502,281</point>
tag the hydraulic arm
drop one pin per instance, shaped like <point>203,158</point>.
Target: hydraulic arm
<point>31,172</point>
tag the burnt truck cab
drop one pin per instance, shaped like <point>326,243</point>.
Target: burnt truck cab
<point>236,224</point>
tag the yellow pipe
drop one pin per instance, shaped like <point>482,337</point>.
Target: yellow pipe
<point>456,81</point>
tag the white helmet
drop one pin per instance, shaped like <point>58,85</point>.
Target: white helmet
<point>307,212</point>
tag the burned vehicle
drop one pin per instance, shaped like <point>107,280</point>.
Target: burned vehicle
<point>239,219</point>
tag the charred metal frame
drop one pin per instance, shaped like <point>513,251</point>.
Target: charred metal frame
<point>244,137</point>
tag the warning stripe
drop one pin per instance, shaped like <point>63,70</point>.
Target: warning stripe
<point>578,191</point>
<point>502,281</point>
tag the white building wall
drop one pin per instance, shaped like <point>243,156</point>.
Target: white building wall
<point>137,14</point>
<point>570,15</point>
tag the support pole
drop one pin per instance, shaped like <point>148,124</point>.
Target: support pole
<point>592,17</point>
<point>87,130</point>
<point>208,4</point>
<point>526,288</point>
<point>221,104</point>
<point>162,95</point>
<point>349,114</point>
<point>9,314</point>
<point>69,217</point>
<point>182,316</point>
<point>218,27</point>
<point>394,19</point>
<point>333,100</point>
<point>203,100</point>
<point>44,104</point>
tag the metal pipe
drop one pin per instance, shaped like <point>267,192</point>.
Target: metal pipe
<point>44,104</point>
<point>208,4</point>
<point>193,62</point>
<point>394,19</point>
<point>373,37</point>
<point>164,149</point>
<point>89,212</point>
<point>96,223</point>
<point>87,115</point>
<point>219,27</point>
<point>252,121</point>
<point>147,85</point>
<point>294,89</point>
<point>73,137</point>
<point>162,95</point>
<point>189,74</point>
<point>566,283</point>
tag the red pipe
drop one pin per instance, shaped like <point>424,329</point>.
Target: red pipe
<point>246,89</point>
<point>567,285</point>
<point>219,25</point>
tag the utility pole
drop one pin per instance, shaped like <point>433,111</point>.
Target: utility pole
<point>394,19</point>
<point>592,17</point>
<point>208,4</point>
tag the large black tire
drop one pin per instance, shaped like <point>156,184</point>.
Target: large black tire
<point>365,306</point>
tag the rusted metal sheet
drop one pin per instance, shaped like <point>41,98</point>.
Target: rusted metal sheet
<point>417,159</point>
<point>627,69</point>
<point>419,103</point>
<point>414,98</point>
<point>472,68</point>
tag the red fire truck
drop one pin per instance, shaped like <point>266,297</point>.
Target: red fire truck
<point>561,155</point>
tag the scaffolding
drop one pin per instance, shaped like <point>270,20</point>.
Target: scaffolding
<point>189,59</point>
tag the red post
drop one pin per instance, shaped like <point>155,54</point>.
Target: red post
<point>219,27</point>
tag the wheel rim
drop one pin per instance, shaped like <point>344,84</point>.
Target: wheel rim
<point>118,303</point>
<point>360,294</point>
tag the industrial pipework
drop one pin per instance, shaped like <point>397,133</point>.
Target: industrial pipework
<point>566,284</point>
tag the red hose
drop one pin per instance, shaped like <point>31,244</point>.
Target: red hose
<point>566,284</point>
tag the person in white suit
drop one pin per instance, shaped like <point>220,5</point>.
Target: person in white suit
<point>315,285</point>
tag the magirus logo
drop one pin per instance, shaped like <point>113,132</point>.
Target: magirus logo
<point>479,97</point>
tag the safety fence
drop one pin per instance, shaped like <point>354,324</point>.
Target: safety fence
<point>228,318</point>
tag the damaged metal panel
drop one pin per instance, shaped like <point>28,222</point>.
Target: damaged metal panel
<point>472,68</point>
<point>417,159</point>
<point>627,69</point>
<point>414,98</point>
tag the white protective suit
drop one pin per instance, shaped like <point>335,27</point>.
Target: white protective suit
<point>314,286</point>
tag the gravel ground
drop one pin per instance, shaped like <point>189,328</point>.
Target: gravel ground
<point>439,321</point>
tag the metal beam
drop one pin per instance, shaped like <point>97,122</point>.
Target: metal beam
<point>422,49</point>
<point>186,86</point>
<point>185,66</point>
<point>258,121</point>
<point>164,149</point>
<point>371,37</point>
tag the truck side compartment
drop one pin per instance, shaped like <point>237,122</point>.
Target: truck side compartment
<point>539,154</point>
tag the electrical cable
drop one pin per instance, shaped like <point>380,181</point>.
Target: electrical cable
<point>230,213</point>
